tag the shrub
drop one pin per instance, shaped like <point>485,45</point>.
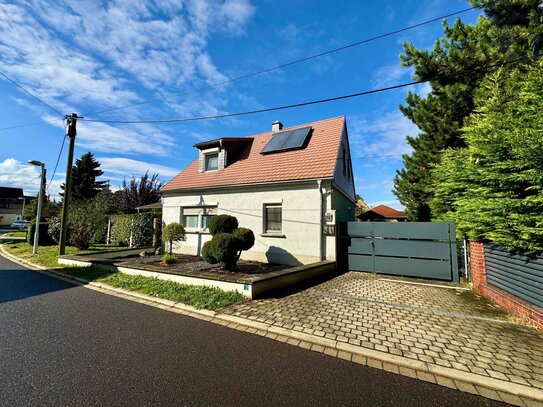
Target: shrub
<point>139,226</point>
<point>207,254</point>
<point>246,238</point>
<point>81,239</point>
<point>45,239</point>
<point>120,229</point>
<point>54,228</point>
<point>168,259</point>
<point>222,224</point>
<point>228,241</point>
<point>173,232</point>
<point>88,220</point>
<point>224,248</point>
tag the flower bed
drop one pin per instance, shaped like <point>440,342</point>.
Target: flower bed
<point>196,263</point>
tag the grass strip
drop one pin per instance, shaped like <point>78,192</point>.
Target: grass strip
<point>47,255</point>
<point>200,297</point>
<point>16,234</point>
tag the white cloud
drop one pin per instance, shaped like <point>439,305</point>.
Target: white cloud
<point>128,167</point>
<point>93,55</point>
<point>422,89</point>
<point>15,174</point>
<point>381,136</point>
<point>389,75</point>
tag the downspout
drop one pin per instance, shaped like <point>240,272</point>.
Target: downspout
<point>321,216</point>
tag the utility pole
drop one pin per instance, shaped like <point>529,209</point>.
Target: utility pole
<point>71,122</point>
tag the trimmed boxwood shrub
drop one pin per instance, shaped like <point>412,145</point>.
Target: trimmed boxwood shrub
<point>246,238</point>
<point>224,248</point>
<point>207,255</point>
<point>222,224</point>
<point>173,232</point>
<point>227,243</point>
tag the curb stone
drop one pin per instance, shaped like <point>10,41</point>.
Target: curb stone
<point>491,388</point>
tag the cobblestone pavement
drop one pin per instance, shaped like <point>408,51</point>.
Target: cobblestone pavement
<point>443,326</point>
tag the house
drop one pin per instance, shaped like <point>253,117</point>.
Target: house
<point>12,201</point>
<point>290,186</point>
<point>383,213</point>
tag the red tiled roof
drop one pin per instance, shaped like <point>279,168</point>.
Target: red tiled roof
<point>388,212</point>
<point>316,160</point>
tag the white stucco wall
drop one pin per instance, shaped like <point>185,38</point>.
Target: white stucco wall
<point>300,226</point>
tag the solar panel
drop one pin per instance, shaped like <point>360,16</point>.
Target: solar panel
<point>287,140</point>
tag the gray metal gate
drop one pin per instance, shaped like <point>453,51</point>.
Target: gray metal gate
<point>411,249</point>
<point>517,274</point>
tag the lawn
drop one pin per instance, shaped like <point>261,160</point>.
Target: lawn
<point>16,234</point>
<point>47,255</point>
<point>200,297</point>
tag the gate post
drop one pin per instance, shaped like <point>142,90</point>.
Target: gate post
<point>454,253</point>
<point>343,243</point>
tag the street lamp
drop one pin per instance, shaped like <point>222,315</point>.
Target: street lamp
<point>40,203</point>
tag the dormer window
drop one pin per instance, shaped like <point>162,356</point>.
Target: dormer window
<point>211,162</point>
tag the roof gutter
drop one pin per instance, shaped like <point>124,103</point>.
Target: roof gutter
<point>254,184</point>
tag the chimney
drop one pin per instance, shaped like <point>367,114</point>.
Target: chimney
<point>277,126</point>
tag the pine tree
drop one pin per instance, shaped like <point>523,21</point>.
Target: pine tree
<point>440,116</point>
<point>84,174</point>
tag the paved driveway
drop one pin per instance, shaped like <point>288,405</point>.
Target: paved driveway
<point>448,327</point>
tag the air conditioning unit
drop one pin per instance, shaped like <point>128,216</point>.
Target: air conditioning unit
<point>330,217</point>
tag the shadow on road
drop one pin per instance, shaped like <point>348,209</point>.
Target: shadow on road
<point>17,284</point>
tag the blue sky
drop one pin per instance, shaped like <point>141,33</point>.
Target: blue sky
<point>89,56</point>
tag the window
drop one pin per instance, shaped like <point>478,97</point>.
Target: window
<point>212,162</point>
<point>190,221</point>
<point>4,205</point>
<point>197,218</point>
<point>273,218</point>
<point>205,221</point>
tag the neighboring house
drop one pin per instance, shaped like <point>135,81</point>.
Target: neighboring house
<point>157,206</point>
<point>12,201</point>
<point>289,186</point>
<point>383,213</point>
<point>361,205</point>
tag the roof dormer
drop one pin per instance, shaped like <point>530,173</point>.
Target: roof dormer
<point>212,155</point>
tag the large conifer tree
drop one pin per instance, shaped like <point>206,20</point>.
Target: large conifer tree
<point>493,189</point>
<point>499,37</point>
<point>84,174</point>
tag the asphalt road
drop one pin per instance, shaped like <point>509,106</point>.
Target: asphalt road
<point>65,345</point>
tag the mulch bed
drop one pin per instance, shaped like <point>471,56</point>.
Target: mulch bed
<point>196,263</point>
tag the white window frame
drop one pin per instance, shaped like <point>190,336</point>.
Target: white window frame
<point>202,211</point>
<point>207,157</point>
<point>265,229</point>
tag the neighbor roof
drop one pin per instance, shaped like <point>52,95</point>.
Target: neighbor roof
<point>316,160</point>
<point>11,193</point>
<point>386,212</point>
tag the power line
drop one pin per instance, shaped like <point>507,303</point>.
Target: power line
<point>56,165</point>
<point>245,76</point>
<point>9,173</point>
<point>287,64</point>
<point>313,102</point>
<point>31,180</point>
<point>28,125</point>
<point>31,94</point>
